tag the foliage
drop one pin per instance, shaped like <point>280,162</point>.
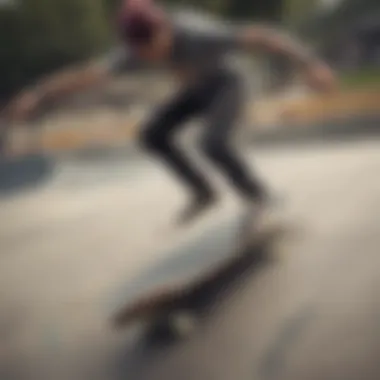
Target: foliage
<point>41,35</point>
<point>364,77</point>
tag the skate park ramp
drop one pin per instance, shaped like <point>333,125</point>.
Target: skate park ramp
<point>70,248</point>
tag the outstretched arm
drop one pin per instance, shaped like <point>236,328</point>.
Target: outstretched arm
<point>66,82</point>
<point>318,74</point>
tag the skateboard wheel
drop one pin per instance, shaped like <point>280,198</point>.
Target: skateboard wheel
<point>182,323</point>
<point>174,325</point>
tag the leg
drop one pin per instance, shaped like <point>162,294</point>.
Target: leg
<point>222,115</point>
<point>158,135</point>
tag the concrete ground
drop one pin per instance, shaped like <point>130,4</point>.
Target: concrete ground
<point>70,248</point>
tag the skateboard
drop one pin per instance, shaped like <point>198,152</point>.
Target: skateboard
<point>170,302</point>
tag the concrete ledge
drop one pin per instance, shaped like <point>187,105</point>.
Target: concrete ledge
<point>286,114</point>
<point>307,109</point>
<point>288,134</point>
<point>26,172</point>
<point>327,130</point>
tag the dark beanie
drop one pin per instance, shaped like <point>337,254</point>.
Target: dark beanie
<point>138,21</point>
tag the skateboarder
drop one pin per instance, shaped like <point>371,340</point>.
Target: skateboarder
<point>209,86</point>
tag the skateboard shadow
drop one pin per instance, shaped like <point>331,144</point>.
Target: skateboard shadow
<point>146,352</point>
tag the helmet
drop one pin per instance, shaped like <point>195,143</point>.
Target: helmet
<point>138,21</point>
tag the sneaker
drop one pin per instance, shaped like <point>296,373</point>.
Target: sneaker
<point>265,210</point>
<point>196,208</point>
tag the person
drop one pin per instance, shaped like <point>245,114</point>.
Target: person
<point>209,86</point>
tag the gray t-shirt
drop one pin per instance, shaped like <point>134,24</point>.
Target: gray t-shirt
<point>200,45</point>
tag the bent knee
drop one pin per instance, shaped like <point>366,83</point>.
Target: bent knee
<point>151,137</point>
<point>146,139</point>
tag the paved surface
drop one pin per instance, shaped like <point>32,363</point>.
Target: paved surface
<point>70,249</point>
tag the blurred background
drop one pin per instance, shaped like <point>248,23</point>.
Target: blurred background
<point>37,41</point>
<point>81,207</point>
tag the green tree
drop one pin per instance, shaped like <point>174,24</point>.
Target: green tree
<point>42,35</point>
<point>270,10</point>
<point>328,24</point>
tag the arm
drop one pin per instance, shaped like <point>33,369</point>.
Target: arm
<point>67,82</point>
<point>318,74</point>
<point>55,86</point>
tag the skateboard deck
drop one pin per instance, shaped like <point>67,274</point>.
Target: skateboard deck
<point>168,296</point>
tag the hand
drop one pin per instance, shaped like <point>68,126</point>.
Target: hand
<point>22,107</point>
<point>321,78</point>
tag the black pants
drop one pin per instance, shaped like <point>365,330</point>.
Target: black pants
<point>219,99</point>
